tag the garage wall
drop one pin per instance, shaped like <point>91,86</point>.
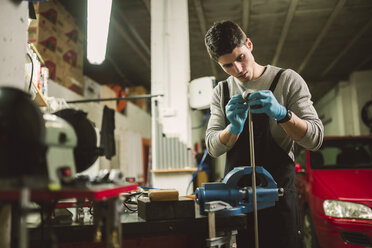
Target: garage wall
<point>197,130</point>
<point>340,109</point>
<point>129,131</point>
<point>362,82</point>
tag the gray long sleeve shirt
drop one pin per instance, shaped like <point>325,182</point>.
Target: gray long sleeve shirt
<point>291,91</point>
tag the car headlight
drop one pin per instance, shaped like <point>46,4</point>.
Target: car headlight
<point>344,209</point>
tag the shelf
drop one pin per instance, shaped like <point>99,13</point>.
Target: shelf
<point>33,47</point>
<point>174,170</point>
<point>39,98</point>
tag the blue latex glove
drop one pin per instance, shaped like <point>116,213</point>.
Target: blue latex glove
<point>267,104</point>
<point>236,112</point>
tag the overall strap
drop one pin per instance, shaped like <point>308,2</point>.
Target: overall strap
<point>226,97</point>
<point>276,80</point>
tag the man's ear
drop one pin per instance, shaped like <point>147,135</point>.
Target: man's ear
<point>249,44</point>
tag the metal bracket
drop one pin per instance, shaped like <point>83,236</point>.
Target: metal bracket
<point>215,206</point>
<point>213,241</point>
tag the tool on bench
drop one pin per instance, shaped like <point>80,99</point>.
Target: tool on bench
<point>165,204</point>
<point>229,198</point>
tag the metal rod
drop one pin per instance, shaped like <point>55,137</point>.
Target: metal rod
<point>253,164</point>
<point>23,234</point>
<point>115,98</point>
<point>211,225</point>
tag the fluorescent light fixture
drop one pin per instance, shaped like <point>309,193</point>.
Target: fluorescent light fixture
<point>98,19</point>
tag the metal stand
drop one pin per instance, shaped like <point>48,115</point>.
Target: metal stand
<point>229,238</point>
<point>106,216</point>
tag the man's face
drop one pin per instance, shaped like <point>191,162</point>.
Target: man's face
<point>239,63</point>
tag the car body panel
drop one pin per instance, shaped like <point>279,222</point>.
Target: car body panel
<point>335,183</point>
<point>348,183</point>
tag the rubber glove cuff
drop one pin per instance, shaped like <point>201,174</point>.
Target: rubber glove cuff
<point>282,112</point>
<point>235,130</point>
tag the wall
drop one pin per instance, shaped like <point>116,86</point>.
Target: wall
<point>340,108</point>
<point>362,82</point>
<point>170,65</point>
<point>170,75</point>
<point>198,136</point>
<point>13,40</point>
<point>198,131</point>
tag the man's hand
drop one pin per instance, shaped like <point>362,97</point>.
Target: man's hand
<point>236,112</point>
<point>263,101</point>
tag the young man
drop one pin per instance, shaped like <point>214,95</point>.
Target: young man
<point>282,113</point>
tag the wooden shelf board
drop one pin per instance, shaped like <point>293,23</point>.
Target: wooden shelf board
<point>173,170</point>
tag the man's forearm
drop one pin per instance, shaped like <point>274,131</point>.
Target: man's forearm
<point>227,138</point>
<point>296,128</point>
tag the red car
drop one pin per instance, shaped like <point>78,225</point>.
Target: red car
<point>334,186</point>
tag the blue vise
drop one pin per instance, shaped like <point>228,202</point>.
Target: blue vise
<point>239,198</point>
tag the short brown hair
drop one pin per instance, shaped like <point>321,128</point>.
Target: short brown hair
<point>223,37</point>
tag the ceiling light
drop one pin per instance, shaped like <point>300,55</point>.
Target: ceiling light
<point>98,19</point>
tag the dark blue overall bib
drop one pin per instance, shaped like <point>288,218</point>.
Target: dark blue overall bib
<point>278,226</point>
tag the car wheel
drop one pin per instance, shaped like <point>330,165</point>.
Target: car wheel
<point>309,235</point>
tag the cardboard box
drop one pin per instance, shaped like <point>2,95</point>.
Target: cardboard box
<point>135,91</point>
<point>60,72</point>
<point>40,30</point>
<point>107,92</point>
<point>52,60</point>
<point>71,33</point>
<point>71,53</point>
<point>60,43</point>
<point>92,89</point>
<point>48,9</point>
<point>52,67</point>
<point>74,83</point>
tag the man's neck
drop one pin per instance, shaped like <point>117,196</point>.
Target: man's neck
<point>258,71</point>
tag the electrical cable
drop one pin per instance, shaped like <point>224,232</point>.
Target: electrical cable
<point>91,208</point>
<point>128,200</point>
<point>207,115</point>
<point>32,71</point>
<point>197,170</point>
<point>130,209</point>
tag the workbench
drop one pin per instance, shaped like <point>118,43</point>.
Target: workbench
<point>106,217</point>
<point>136,232</point>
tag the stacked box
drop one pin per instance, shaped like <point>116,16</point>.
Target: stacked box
<point>92,89</point>
<point>135,91</point>
<point>107,92</point>
<point>60,43</point>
